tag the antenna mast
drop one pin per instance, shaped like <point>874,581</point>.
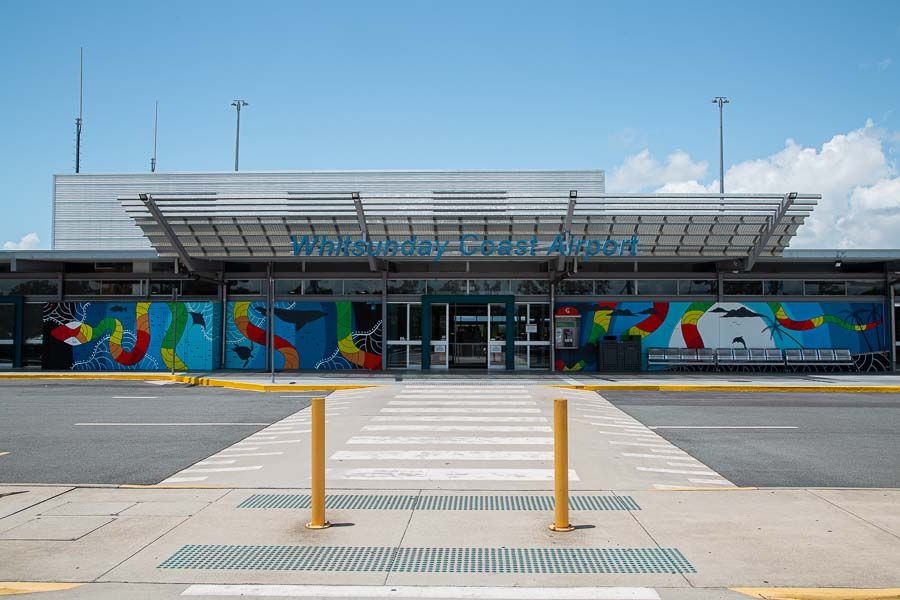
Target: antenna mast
<point>78,120</point>
<point>155,123</point>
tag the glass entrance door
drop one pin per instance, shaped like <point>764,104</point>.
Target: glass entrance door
<point>10,334</point>
<point>469,338</point>
<point>440,344</point>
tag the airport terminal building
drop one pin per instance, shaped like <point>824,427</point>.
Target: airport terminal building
<point>435,270</point>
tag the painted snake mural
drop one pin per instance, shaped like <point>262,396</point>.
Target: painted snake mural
<point>348,348</point>
<point>76,333</point>
<point>258,335</point>
<point>785,321</point>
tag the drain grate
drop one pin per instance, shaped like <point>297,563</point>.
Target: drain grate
<point>410,502</point>
<point>430,560</point>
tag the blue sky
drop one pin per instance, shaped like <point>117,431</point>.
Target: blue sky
<point>345,85</point>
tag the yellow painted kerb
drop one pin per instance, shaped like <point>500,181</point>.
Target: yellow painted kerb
<point>9,588</point>
<point>192,380</point>
<point>821,593</point>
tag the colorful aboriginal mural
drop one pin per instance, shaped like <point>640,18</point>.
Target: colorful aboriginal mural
<point>140,336</point>
<point>857,326</point>
<point>308,335</point>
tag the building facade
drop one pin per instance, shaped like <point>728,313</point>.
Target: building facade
<point>435,270</point>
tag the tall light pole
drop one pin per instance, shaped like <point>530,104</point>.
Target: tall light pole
<point>721,101</point>
<point>237,135</point>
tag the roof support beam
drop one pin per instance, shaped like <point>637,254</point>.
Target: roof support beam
<point>567,229</point>
<point>191,264</point>
<point>361,217</point>
<point>764,237</point>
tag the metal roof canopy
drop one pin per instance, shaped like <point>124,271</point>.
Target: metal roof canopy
<point>213,226</point>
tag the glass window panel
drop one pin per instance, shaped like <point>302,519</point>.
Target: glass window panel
<point>199,287</point>
<point>415,322</point>
<point>698,287</point>
<point>786,287</point>
<point>324,287</point>
<point>576,287</point>
<point>540,316</point>
<point>614,287</point>
<point>396,321</point>
<point>406,286</point>
<point>82,287</point>
<point>7,333</point>
<point>657,287</point>
<point>120,288</point>
<point>396,358</point>
<point>521,358</point>
<point>29,287</point>
<point>164,288</point>
<point>288,287</point>
<point>449,286</point>
<point>488,286</point>
<point>244,286</point>
<point>825,288</point>
<point>415,356</point>
<point>498,322</point>
<point>521,322</point>
<point>865,288</point>
<point>353,287</point>
<point>33,335</point>
<point>742,288</point>
<point>540,357</point>
<point>530,287</point>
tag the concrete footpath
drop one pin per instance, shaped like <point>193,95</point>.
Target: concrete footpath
<point>442,488</point>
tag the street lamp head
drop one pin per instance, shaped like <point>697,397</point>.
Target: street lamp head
<point>240,103</point>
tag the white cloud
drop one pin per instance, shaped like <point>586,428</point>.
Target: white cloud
<point>641,171</point>
<point>860,187</point>
<point>29,241</point>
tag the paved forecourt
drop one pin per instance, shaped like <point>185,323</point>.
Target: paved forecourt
<point>456,435</point>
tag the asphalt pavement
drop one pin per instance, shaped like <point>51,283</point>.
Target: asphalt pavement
<point>779,439</point>
<point>107,432</point>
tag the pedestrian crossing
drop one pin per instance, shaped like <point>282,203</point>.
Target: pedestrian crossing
<point>460,446</point>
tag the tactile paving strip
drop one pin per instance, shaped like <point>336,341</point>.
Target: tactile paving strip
<point>430,560</point>
<point>411,502</point>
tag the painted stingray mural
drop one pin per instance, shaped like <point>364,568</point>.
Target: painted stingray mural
<point>858,326</point>
<point>142,336</point>
<point>308,335</point>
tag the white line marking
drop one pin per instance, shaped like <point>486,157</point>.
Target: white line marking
<point>724,427</point>
<point>666,486</point>
<point>469,441</point>
<point>493,428</point>
<point>676,471</point>
<point>184,479</point>
<point>252,454</point>
<point>241,449</point>
<point>134,397</point>
<point>268,433</point>
<point>663,456</point>
<point>422,592</point>
<point>646,436</point>
<point>192,470</point>
<point>459,418</point>
<point>207,463</point>
<point>168,424</point>
<point>436,397</point>
<point>616,419</point>
<point>389,474</point>
<point>620,426</point>
<point>669,450</point>
<point>462,403</point>
<point>440,455</point>
<point>475,409</point>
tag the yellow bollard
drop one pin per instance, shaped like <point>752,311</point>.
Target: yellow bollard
<point>561,466</point>
<point>318,466</point>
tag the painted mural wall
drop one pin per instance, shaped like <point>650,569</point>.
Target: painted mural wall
<point>138,336</point>
<point>858,326</point>
<point>308,335</point>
